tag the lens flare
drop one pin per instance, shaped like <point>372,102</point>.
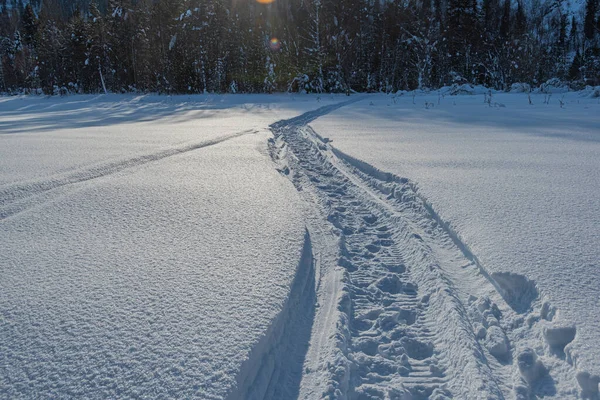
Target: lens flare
<point>274,44</point>
<point>265,1</point>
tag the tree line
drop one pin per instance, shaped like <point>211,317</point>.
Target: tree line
<point>197,46</point>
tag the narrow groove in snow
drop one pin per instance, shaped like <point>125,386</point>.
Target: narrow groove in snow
<point>15,198</point>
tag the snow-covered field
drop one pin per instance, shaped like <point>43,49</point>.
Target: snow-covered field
<point>518,184</point>
<point>147,245</point>
<point>156,247</point>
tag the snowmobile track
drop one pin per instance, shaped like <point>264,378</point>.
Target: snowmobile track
<point>421,318</point>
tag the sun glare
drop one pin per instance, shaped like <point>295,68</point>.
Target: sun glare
<point>274,44</point>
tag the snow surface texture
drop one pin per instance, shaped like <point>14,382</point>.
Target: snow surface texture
<point>514,187</point>
<point>170,260</point>
<point>148,248</point>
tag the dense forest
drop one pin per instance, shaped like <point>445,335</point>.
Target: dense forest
<point>196,46</point>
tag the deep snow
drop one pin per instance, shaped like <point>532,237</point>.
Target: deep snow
<point>154,246</point>
<point>61,135</point>
<point>148,248</point>
<point>517,183</point>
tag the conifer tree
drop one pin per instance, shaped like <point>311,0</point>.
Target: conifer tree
<point>589,28</point>
<point>196,46</point>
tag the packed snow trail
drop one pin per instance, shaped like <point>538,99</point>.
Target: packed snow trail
<point>417,316</point>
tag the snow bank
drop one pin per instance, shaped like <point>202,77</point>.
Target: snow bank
<point>591,91</point>
<point>520,88</point>
<point>464,89</point>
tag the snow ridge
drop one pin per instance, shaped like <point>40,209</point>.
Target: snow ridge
<point>274,368</point>
<point>419,316</point>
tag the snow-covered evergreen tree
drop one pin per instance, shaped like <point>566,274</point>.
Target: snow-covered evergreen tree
<point>195,46</point>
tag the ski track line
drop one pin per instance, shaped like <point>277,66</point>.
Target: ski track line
<point>16,198</point>
<point>418,317</point>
